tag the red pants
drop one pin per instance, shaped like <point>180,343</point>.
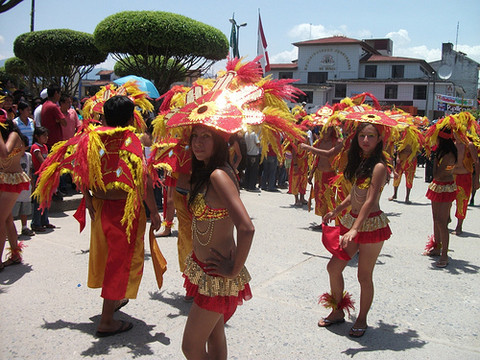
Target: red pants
<point>115,265</point>
<point>464,190</point>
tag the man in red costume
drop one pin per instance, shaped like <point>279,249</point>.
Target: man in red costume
<point>116,243</point>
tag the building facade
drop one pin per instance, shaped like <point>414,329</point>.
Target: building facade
<point>330,69</point>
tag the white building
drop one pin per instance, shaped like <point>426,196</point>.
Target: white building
<point>330,69</point>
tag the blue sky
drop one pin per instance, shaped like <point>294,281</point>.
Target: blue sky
<point>417,28</point>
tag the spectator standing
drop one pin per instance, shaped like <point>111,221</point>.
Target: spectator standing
<point>39,153</point>
<point>24,122</point>
<point>269,171</point>
<point>37,113</point>
<point>71,117</point>
<point>52,117</point>
<point>253,160</point>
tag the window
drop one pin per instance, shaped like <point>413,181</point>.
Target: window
<point>340,90</point>
<point>308,97</point>
<point>317,77</point>
<point>397,71</point>
<point>285,75</point>
<point>370,71</point>
<point>419,92</point>
<point>391,91</point>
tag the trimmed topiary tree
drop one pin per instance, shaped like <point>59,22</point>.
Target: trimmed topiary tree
<point>163,45</point>
<point>60,56</point>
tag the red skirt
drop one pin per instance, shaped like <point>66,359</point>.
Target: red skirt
<point>15,188</point>
<point>374,229</point>
<point>215,293</point>
<point>14,182</point>
<point>442,191</point>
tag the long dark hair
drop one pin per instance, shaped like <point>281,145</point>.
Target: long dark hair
<point>10,127</point>
<point>357,166</point>
<point>446,146</point>
<point>200,171</point>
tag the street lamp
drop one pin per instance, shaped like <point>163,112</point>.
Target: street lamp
<point>235,36</point>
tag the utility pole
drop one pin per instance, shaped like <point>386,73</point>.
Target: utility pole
<point>32,17</point>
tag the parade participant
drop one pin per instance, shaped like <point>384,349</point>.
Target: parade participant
<point>12,181</point>
<point>108,165</point>
<point>406,160</point>
<point>298,174</point>
<point>323,173</point>
<point>215,273</point>
<point>441,192</point>
<point>216,259</point>
<point>466,172</point>
<point>365,227</point>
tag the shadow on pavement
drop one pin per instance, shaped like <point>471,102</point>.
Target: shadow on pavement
<point>175,300</point>
<point>136,340</point>
<point>384,337</point>
<point>11,274</point>
<point>457,267</point>
<point>466,234</point>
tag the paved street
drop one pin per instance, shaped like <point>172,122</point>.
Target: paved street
<point>419,311</point>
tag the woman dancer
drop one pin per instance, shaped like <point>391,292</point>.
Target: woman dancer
<point>215,274</point>
<point>364,229</point>
<point>12,181</point>
<point>441,192</point>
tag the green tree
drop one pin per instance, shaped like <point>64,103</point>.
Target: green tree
<point>135,65</point>
<point>15,71</point>
<point>60,56</point>
<point>163,46</point>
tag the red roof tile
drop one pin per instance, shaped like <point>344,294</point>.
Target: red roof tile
<point>283,66</point>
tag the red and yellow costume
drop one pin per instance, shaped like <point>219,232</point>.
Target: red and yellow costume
<point>240,99</point>
<point>101,159</point>
<point>13,182</point>
<point>464,186</point>
<point>215,293</point>
<point>324,191</point>
<point>105,158</point>
<point>408,168</point>
<point>298,175</point>
<point>374,229</point>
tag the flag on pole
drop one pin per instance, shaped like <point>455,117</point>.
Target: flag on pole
<point>262,46</point>
<point>234,40</point>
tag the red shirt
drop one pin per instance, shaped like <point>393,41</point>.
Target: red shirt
<point>43,151</point>
<point>50,114</point>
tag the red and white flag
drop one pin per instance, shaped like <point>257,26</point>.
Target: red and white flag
<point>262,47</point>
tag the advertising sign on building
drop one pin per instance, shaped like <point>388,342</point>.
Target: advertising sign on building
<point>452,104</point>
<point>452,100</point>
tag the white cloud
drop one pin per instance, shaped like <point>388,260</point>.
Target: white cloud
<point>418,52</point>
<point>429,55</point>
<point>400,37</point>
<point>285,56</point>
<point>2,40</point>
<point>310,31</point>
<point>473,52</point>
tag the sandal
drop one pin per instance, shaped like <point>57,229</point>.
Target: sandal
<point>327,323</point>
<point>357,332</point>
<point>441,264</point>
<point>11,261</point>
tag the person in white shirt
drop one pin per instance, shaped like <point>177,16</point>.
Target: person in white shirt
<point>37,114</point>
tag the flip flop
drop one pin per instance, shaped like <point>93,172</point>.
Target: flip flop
<point>122,304</point>
<point>11,261</point>
<point>327,323</point>
<point>124,326</point>
<point>441,264</point>
<point>361,332</point>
